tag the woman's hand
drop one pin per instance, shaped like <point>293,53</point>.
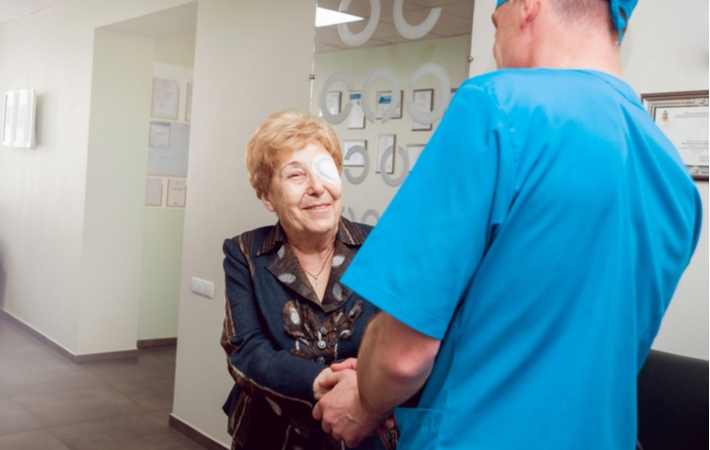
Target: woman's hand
<point>320,387</point>
<point>326,383</point>
<point>350,363</point>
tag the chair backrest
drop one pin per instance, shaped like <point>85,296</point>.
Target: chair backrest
<point>673,402</point>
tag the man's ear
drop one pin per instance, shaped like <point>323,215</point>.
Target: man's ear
<point>528,12</point>
<point>264,197</point>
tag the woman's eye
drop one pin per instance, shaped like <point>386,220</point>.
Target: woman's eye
<point>295,176</point>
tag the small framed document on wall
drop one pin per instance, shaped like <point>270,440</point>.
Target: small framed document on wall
<point>423,101</point>
<point>188,102</point>
<point>383,100</point>
<point>386,161</point>
<point>176,193</point>
<point>413,152</point>
<point>353,159</point>
<point>356,121</point>
<point>154,192</point>
<point>166,99</point>
<point>332,100</point>
<point>683,118</point>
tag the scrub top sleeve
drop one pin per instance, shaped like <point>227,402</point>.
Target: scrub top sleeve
<point>420,258</point>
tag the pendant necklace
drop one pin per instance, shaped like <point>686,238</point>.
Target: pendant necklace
<point>315,277</point>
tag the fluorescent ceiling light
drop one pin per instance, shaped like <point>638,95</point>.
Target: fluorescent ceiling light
<point>326,17</point>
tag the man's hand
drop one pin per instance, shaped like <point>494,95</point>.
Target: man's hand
<point>341,411</point>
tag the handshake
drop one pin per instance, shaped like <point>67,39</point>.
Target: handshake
<point>341,409</point>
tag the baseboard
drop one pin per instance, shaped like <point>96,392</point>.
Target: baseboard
<point>202,439</point>
<point>107,356</point>
<point>143,343</point>
<point>92,357</point>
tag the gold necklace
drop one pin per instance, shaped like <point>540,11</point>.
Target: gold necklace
<point>315,277</point>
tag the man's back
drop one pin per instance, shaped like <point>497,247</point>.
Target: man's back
<point>564,220</point>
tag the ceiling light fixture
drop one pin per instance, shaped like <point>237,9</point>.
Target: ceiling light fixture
<point>327,17</point>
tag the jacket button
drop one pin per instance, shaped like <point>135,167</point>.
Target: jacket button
<point>321,360</point>
<point>321,345</point>
<point>323,331</point>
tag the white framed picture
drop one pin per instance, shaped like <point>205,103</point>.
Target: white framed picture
<point>20,119</point>
<point>353,159</point>
<point>424,102</point>
<point>383,101</point>
<point>166,99</point>
<point>413,152</point>
<point>385,141</point>
<point>356,121</point>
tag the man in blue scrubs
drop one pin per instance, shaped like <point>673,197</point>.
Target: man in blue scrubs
<point>525,265</point>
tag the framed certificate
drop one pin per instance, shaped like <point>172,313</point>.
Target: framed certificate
<point>423,101</point>
<point>413,152</point>
<point>356,121</point>
<point>683,118</point>
<point>154,192</point>
<point>332,99</point>
<point>383,101</point>
<point>385,159</point>
<point>166,99</point>
<point>176,193</point>
<point>188,103</point>
<point>353,159</point>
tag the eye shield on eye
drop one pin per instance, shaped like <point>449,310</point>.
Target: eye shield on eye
<point>324,167</point>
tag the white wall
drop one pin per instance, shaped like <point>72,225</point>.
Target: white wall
<point>251,59</point>
<point>665,49</point>
<point>43,192</point>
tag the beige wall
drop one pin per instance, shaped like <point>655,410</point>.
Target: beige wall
<point>161,262</point>
<point>237,85</point>
<point>665,49</point>
<point>115,189</point>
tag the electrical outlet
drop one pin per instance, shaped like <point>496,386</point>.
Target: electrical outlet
<point>202,287</point>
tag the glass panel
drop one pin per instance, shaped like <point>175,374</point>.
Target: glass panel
<point>383,83</point>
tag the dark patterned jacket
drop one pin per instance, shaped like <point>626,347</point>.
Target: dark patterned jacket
<point>278,337</point>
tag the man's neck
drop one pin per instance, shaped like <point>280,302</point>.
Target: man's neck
<point>576,48</point>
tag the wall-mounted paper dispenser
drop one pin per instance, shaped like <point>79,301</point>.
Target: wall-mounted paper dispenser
<point>19,119</point>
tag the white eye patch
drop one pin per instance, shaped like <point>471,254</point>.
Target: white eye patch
<point>324,167</point>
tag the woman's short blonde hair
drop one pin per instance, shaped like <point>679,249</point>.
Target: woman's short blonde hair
<point>282,132</point>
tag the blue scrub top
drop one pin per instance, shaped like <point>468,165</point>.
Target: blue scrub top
<point>540,236</point>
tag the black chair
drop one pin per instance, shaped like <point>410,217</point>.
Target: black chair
<point>673,403</point>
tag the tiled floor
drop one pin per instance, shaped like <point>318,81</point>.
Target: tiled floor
<point>50,403</point>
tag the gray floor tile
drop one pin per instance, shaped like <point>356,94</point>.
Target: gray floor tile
<point>147,367</point>
<point>25,355</point>
<point>31,440</point>
<point>19,381</point>
<point>135,432</point>
<point>48,402</point>
<point>76,405</point>
<point>166,353</point>
<point>153,395</point>
<point>14,418</point>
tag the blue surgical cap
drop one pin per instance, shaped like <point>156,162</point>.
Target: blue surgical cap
<point>616,7</point>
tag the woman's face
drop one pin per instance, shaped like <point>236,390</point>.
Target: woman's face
<point>306,193</point>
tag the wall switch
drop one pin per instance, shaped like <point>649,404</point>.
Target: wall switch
<point>202,287</point>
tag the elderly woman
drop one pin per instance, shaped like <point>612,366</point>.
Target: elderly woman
<point>288,317</point>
